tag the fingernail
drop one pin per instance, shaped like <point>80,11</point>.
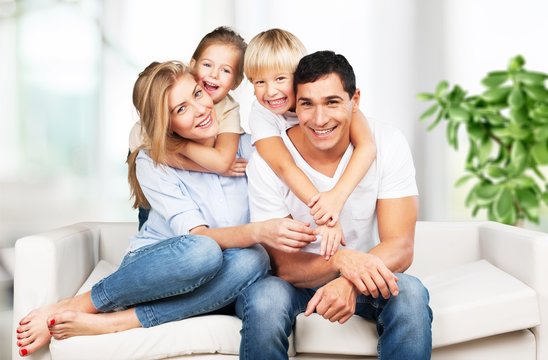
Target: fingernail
<point>52,322</point>
<point>24,352</point>
<point>51,333</point>
<point>18,344</point>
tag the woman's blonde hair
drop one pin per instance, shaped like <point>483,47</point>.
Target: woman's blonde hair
<point>150,98</point>
<point>273,50</point>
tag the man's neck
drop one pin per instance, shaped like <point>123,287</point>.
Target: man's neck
<point>323,161</point>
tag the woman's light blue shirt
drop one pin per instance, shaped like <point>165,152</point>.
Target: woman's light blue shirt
<point>180,200</point>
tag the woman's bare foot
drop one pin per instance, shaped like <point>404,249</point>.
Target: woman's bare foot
<point>33,332</point>
<point>73,323</point>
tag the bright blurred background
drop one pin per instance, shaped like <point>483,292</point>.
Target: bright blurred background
<point>67,69</point>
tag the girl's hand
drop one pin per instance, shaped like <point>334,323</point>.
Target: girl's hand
<point>325,207</point>
<point>332,237</point>
<point>237,168</point>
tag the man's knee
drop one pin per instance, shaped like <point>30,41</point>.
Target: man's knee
<point>413,297</point>
<point>251,263</point>
<point>268,297</point>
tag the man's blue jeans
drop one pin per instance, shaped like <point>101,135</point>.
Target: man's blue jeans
<point>269,307</point>
<point>179,278</point>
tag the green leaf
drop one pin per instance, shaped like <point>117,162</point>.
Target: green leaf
<point>495,172</point>
<point>544,197</point>
<point>516,63</point>
<point>464,179</point>
<point>519,115</point>
<point>518,158</point>
<point>540,133</point>
<point>485,151</point>
<point>532,214</point>
<point>496,95</point>
<point>518,132</point>
<point>496,119</point>
<point>425,96</point>
<point>429,112</point>
<point>436,121</point>
<point>452,132</point>
<point>539,151</point>
<point>459,114</point>
<point>485,193</point>
<point>504,205</point>
<point>495,79</point>
<point>516,98</point>
<point>538,93</point>
<point>441,88</point>
<point>527,198</point>
<point>531,78</point>
<point>541,110</point>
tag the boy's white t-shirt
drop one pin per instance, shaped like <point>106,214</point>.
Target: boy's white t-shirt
<point>263,123</point>
<point>228,118</point>
<point>392,175</point>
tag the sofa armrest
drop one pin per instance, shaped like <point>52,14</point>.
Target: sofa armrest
<point>51,266</point>
<point>524,255</point>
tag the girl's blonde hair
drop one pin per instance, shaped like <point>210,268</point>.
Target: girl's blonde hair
<point>273,50</point>
<point>224,35</point>
<point>150,98</point>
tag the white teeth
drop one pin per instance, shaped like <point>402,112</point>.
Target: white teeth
<point>205,123</point>
<point>210,85</point>
<point>323,132</point>
<point>276,102</point>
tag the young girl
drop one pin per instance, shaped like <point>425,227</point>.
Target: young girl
<point>217,64</point>
<point>198,250</point>
<point>270,60</point>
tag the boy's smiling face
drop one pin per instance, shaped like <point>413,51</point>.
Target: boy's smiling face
<point>274,91</point>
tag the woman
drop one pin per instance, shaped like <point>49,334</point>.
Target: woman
<point>196,252</point>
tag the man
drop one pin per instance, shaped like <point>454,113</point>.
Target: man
<point>366,277</point>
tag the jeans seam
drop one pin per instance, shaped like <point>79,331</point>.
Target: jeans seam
<point>244,326</point>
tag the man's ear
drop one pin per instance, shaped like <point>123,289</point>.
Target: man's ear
<point>356,101</point>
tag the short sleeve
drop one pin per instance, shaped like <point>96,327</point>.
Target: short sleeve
<point>398,171</point>
<point>228,113</point>
<point>168,196</point>
<point>263,123</point>
<point>136,136</point>
<point>266,191</point>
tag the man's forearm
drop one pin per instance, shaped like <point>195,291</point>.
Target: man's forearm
<point>303,269</point>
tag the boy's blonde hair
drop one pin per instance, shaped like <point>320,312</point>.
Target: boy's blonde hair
<point>274,50</point>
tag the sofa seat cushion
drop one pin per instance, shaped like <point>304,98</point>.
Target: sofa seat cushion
<point>198,335</point>
<point>470,301</point>
<point>477,300</point>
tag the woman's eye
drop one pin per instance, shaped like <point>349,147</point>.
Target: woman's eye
<point>206,65</point>
<point>181,109</point>
<point>198,93</point>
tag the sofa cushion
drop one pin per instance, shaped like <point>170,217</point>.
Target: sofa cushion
<point>199,335</point>
<point>470,301</point>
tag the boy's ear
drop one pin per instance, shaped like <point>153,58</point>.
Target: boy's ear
<point>356,100</point>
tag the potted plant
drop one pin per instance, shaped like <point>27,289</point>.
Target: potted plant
<point>507,130</point>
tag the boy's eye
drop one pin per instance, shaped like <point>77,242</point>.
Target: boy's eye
<point>206,65</point>
<point>281,78</point>
<point>227,71</point>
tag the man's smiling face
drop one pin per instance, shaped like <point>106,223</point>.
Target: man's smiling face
<point>325,110</point>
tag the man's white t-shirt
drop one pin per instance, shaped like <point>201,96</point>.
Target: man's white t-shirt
<point>263,123</point>
<point>392,175</point>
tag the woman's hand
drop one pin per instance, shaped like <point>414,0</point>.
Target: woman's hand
<point>284,234</point>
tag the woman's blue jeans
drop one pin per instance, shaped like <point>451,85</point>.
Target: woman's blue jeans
<point>269,307</point>
<point>179,278</point>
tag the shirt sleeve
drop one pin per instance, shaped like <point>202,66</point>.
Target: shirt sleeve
<point>266,191</point>
<point>398,172</point>
<point>228,114</point>
<point>263,123</point>
<point>168,195</point>
<point>136,136</point>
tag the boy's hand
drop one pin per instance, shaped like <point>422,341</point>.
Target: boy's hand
<point>237,168</point>
<point>332,237</point>
<point>325,207</point>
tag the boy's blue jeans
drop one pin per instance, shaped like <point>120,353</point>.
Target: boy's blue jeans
<point>269,307</point>
<point>179,278</point>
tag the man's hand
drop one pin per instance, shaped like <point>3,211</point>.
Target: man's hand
<point>335,301</point>
<point>237,168</point>
<point>367,272</point>
<point>284,234</point>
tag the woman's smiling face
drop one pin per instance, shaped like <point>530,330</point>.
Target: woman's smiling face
<point>191,111</point>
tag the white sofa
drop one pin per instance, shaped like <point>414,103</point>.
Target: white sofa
<point>488,285</point>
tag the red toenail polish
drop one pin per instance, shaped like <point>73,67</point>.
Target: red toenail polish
<point>52,322</point>
<point>24,352</point>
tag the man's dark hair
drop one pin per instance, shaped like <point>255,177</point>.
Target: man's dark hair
<point>322,63</point>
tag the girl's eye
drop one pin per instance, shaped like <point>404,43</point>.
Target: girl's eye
<point>259,82</point>
<point>280,78</point>
<point>206,65</point>
<point>227,71</point>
